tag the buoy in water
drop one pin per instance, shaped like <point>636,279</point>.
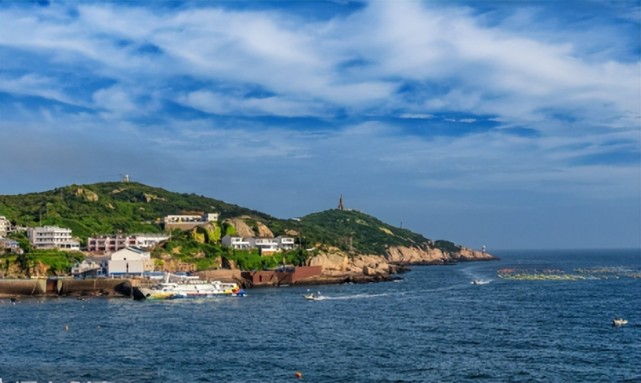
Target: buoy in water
<point>299,374</point>
<point>66,327</point>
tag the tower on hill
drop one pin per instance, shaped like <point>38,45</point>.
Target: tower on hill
<point>340,203</point>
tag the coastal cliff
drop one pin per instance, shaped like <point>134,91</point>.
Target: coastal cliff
<point>434,256</point>
<point>337,264</point>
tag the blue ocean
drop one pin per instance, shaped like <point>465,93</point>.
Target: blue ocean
<point>533,316</point>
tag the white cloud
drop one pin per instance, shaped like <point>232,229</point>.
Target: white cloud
<point>484,70</point>
<point>36,85</point>
<point>226,104</point>
<point>114,99</point>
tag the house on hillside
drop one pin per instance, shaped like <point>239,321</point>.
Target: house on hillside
<point>188,221</point>
<point>266,246</point>
<point>235,242</point>
<point>52,237</point>
<point>5,226</point>
<point>8,245</point>
<point>285,243</point>
<point>105,243</point>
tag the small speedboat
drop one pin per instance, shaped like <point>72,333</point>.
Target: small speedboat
<point>479,282</point>
<point>314,296</point>
<point>618,322</point>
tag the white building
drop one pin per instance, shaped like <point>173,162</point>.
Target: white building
<point>5,226</point>
<point>130,261</point>
<point>285,243</point>
<point>235,242</point>
<point>52,237</point>
<point>188,221</point>
<point>265,245</point>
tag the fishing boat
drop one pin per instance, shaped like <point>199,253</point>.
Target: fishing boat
<point>192,287</point>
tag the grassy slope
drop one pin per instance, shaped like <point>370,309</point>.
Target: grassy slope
<point>107,208</point>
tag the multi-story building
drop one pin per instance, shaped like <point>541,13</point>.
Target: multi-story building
<point>106,244</point>
<point>285,243</point>
<point>265,245</point>
<point>235,242</point>
<point>5,226</point>
<point>186,221</point>
<point>52,237</point>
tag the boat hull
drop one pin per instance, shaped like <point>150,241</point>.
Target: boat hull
<point>215,289</point>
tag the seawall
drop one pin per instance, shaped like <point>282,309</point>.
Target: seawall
<point>42,287</point>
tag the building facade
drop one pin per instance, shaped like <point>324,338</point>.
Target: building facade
<point>5,226</point>
<point>188,221</point>
<point>235,242</point>
<point>105,244</point>
<point>90,268</point>
<point>264,245</point>
<point>9,246</point>
<point>52,237</point>
<point>130,261</point>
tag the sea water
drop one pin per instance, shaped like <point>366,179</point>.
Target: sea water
<point>433,325</point>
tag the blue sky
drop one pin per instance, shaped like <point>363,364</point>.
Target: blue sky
<point>510,124</point>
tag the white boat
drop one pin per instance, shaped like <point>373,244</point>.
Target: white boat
<point>618,322</point>
<point>192,288</point>
<point>314,296</point>
<point>479,282</point>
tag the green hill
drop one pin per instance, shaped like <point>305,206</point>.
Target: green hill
<point>354,231</point>
<point>108,208</point>
<point>127,208</point>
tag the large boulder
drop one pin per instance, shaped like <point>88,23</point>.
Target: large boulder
<point>409,255</point>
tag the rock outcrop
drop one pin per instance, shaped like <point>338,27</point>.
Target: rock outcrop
<point>429,255</point>
<point>337,264</point>
<point>263,230</point>
<point>244,230</point>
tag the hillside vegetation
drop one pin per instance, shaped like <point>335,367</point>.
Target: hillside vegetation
<point>128,208</point>
<point>108,208</point>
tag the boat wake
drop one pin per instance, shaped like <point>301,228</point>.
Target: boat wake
<point>476,279</point>
<point>355,296</point>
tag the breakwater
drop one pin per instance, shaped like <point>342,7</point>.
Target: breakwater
<point>49,287</point>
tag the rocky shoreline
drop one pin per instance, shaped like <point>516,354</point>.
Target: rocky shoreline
<point>333,265</point>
